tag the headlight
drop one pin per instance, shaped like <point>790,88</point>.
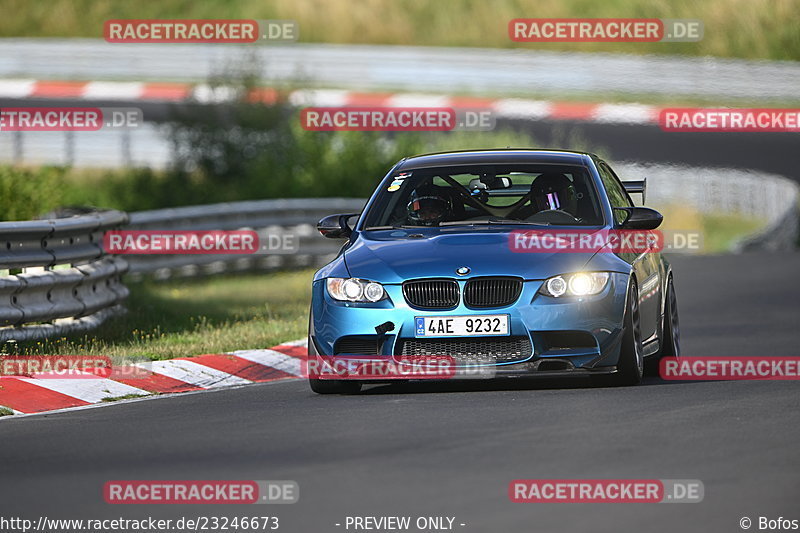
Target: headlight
<point>355,290</point>
<point>577,284</point>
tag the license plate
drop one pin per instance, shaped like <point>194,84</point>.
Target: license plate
<point>461,326</point>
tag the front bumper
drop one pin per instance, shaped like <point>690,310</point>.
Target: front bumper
<point>567,336</point>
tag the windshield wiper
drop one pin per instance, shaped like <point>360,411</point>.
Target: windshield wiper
<point>404,226</point>
<point>495,221</point>
<point>523,222</point>
<point>465,223</point>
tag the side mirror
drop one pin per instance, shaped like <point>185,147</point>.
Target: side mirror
<point>335,226</point>
<point>642,218</point>
<point>636,187</point>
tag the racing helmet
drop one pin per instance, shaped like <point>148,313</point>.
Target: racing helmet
<point>427,206</point>
<point>553,190</point>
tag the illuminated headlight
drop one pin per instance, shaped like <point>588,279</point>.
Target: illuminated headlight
<point>577,284</point>
<point>355,290</point>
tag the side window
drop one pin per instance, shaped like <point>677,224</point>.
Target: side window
<point>616,192</point>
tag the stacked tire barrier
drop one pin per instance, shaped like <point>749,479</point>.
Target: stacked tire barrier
<point>56,278</point>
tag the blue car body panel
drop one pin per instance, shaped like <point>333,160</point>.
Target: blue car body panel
<point>393,256</point>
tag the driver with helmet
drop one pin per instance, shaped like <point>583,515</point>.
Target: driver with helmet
<point>550,191</point>
<point>428,206</point>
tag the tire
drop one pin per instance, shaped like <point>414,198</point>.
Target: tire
<point>630,367</point>
<point>670,334</point>
<point>334,386</point>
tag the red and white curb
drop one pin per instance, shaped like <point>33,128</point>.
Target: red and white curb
<point>24,395</point>
<point>512,108</point>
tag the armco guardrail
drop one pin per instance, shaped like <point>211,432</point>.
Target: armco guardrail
<point>57,278</point>
<point>296,217</point>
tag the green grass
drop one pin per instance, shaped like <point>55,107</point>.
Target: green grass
<point>719,231</point>
<point>733,28</point>
<point>4,411</point>
<point>722,231</point>
<point>183,318</point>
<point>109,399</point>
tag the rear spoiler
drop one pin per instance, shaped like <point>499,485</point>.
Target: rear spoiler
<point>636,187</point>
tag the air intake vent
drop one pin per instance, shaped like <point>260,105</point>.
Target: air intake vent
<point>471,351</point>
<point>357,345</point>
<point>431,293</point>
<point>492,292</point>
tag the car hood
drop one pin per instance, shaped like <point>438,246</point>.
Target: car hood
<point>393,256</point>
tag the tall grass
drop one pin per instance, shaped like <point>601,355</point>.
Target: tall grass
<point>733,28</point>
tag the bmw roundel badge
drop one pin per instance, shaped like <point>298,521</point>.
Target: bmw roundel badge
<point>462,271</point>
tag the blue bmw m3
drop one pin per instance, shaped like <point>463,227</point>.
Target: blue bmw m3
<point>440,263</point>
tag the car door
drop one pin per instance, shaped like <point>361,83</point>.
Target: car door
<point>645,265</point>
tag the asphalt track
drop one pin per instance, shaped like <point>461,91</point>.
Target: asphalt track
<point>451,450</point>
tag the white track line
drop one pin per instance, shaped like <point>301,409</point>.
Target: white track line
<point>625,113</point>
<point>527,109</point>
<point>319,97</point>
<point>113,90</point>
<point>418,100</point>
<point>16,88</point>
<point>206,94</point>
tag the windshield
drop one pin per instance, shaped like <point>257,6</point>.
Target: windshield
<point>536,194</point>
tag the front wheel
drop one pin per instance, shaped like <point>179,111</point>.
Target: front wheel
<point>630,366</point>
<point>670,333</point>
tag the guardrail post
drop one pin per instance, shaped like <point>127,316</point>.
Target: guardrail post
<point>69,147</point>
<point>18,148</point>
